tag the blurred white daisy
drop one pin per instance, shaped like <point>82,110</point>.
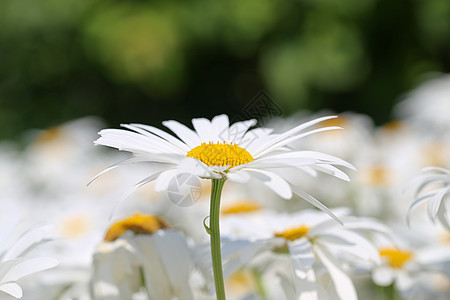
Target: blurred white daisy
<point>434,188</point>
<point>308,238</point>
<point>217,150</point>
<point>15,260</point>
<point>416,274</point>
<point>141,257</point>
<point>428,106</point>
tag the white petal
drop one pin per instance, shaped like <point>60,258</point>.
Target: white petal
<point>127,161</point>
<point>256,137</point>
<point>274,146</point>
<point>194,166</point>
<point>146,180</point>
<point>157,282</point>
<point>318,156</point>
<point>274,162</point>
<point>240,176</point>
<point>12,289</point>
<point>404,282</point>
<point>176,142</point>
<point>237,131</point>
<point>29,266</point>
<point>204,130</point>
<point>444,217</point>
<point>220,126</point>
<point>416,203</point>
<point>330,170</point>
<point>383,276</point>
<point>236,253</point>
<point>184,133</point>
<point>163,180</point>
<point>435,202</point>
<point>159,142</point>
<point>134,142</point>
<point>307,197</point>
<point>342,282</point>
<point>176,258</point>
<point>273,181</point>
<point>350,242</point>
<point>291,132</point>
<point>30,239</point>
<point>302,256</point>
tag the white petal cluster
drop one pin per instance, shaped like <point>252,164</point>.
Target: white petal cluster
<point>16,258</point>
<point>160,262</point>
<point>274,164</point>
<point>433,188</point>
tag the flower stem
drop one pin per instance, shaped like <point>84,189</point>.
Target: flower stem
<point>390,292</point>
<point>216,192</point>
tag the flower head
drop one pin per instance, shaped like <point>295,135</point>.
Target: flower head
<point>308,239</point>
<point>218,150</point>
<point>141,252</point>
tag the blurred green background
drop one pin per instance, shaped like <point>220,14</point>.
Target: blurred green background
<point>147,61</point>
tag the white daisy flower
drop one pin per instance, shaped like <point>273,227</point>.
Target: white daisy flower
<point>428,105</point>
<point>15,260</point>
<point>140,256</point>
<point>217,150</point>
<point>416,274</point>
<point>308,238</point>
<point>434,188</point>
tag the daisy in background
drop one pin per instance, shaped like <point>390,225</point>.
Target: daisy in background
<point>218,151</point>
<point>302,247</point>
<point>16,259</point>
<point>141,258</point>
<point>428,106</point>
<point>434,188</point>
<point>414,273</point>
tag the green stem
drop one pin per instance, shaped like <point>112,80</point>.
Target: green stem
<point>390,292</point>
<point>216,192</point>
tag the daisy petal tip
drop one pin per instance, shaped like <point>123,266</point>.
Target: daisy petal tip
<point>351,167</point>
<point>287,194</point>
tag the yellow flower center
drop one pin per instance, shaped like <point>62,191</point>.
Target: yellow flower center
<point>293,233</point>
<point>241,207</point>
<point>396,258</point>
<point>221,154</point>
<point>394,126</point>
<point>377,175</point>
<point>139,224</point>
<point>241,282</point>
<point>75,226</point>
<point>434,154</point>
<point>340,121</point>
<point>49,135</point>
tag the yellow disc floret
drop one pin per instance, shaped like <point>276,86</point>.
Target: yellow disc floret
<point>293,233</point>
<point>139,224</point>
<point>220,154</point>
<point>395,257</point>
<point>241,207</point>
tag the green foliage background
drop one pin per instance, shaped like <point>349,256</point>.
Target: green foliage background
<point>147,61</point>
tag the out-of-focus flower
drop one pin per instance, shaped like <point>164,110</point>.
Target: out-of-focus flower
<point>141,255</point>
<point>308,238</point>
<point>217,150</point>
<point>434,188</point>
<point>428,106</point>
<point>417,274</point>
<point>16,260</point>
